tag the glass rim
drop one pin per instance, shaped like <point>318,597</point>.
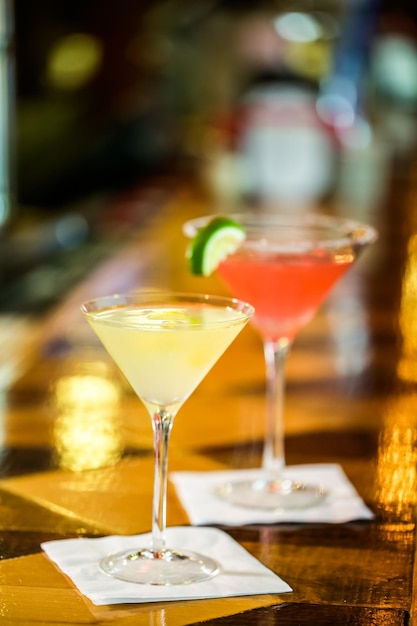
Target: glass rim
<point>92,307</point>
<point>347,231</point>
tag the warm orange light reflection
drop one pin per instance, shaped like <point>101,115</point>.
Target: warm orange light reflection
<point>86,432</point>
<point>396,476</point>
<point>344,257</point>
<point>158,618</point>
<point>407,366</point>
<point>399,533</point>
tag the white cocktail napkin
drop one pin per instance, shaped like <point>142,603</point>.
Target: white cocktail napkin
<point>240,573</point>
<point>196,491</point>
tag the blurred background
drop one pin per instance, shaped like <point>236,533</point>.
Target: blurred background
<point>293,102</point>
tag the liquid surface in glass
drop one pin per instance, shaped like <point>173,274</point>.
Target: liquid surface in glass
<point>286,289</point>
<point>158,349</point>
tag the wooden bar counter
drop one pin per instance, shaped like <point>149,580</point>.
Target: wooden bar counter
<point>76,445</point>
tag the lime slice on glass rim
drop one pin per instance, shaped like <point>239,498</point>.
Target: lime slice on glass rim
<point>212,243</point>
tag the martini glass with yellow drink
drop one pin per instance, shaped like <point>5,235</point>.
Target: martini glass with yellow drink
<point>285,265</point>
<point>164,343</point>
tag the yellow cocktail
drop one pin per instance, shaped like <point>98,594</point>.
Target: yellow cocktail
<point>164,343</point>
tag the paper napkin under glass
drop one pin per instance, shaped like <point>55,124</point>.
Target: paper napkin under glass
<point>240,574</point>
<point>197,493</point>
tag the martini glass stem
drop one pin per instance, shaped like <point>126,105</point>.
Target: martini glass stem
<point>275,353</point>
<point>161,424</point>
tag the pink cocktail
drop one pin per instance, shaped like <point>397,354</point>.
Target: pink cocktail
<point>287,289</point>
<point>285,267</point>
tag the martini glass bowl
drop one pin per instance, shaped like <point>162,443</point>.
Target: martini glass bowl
<point>285,267</point>
<point>164,343</point>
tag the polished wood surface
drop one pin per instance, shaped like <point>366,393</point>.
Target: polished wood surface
<point>76,448</point>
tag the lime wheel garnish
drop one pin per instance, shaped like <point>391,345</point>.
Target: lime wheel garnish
<point>212,243</point>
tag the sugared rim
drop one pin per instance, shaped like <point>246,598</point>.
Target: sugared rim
<point>91,308</point>
<point>342,231</point>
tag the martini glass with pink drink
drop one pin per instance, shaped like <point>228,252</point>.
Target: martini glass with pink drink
<point>285,267</point>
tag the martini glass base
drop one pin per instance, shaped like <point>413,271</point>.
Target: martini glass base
<point>271,494</point>
<point>168,567</point>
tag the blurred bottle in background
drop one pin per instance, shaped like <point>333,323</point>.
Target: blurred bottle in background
<point>301,108</point>
<point>296,103</point>
<point>276,100</point>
